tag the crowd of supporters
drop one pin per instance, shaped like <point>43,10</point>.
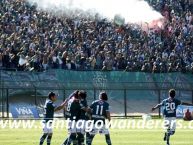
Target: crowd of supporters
<point>32,40</point>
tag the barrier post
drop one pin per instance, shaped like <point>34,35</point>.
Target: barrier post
<point>7,100</point>
<point>159,101</point>
<point>125,102</point>
<point>64,97</point>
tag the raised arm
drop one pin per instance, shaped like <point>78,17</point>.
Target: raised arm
<point>62,106</point>
<point>70,96</point>
<point>156,107</point>
<point>58,108</point>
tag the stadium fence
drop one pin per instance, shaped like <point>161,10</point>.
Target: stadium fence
<point>130,93</point>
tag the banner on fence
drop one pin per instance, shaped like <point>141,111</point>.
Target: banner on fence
<point>181,110</point>
<point>24,111</point>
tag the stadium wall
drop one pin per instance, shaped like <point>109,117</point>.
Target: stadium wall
<point>127,90</point>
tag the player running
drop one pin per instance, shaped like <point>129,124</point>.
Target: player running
<point>100,112</point>
<point>49,108</point>
<point>169,113</point>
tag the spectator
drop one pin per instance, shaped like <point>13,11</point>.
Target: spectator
<point>42,41</point>
<point>187,115</point>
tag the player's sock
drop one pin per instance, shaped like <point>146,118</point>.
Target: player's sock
<point>171,133</point>
<point>80,139</point>
<point>165,136</point>
<point>168,139</point>
<point>89,139</point>
<point>43,138</point>
<point>49,138</point>
<point>108,139</point>
<point>68,140</point>
<point>74,139</point>
<point>65,142</point>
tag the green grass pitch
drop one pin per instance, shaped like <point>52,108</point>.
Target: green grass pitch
<point>119,136</point>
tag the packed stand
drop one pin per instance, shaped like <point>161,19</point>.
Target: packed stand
<point>31,40</point>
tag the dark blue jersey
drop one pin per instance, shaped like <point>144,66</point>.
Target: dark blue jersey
<point>67,111</point>
<point>73,110</point>
<point>169,107</point>
<point>83,104</point>
<point>99,110</point>
<point>49,110</point>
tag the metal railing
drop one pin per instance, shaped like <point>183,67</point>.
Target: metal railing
<point>130,100</point>
<point>126,98</point>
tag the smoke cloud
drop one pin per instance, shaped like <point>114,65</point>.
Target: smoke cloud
<point>133,11</point>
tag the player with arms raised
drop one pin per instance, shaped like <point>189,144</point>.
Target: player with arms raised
<point>72,114</point>
<point>169,112</point>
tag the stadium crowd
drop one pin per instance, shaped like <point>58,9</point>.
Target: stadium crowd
<point>32,40</point>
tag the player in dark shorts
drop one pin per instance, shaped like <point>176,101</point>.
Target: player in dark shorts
<point>169,113</point>
<point>49,108</point>
<point>83,116</point>
<point>100,112</point>
<point>72,114</point>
